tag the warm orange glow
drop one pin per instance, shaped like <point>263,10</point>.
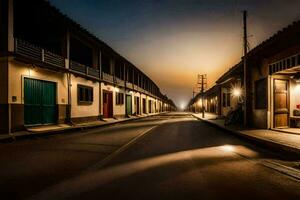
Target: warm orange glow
<point>237,92</point>
<point>227,148</point>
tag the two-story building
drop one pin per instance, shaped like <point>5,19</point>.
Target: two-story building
<point>52,70</point>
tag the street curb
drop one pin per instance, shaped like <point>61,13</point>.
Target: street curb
<point>293,151</point>
<point>27,135</point>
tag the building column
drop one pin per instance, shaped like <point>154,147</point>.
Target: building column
<point>6,47</point>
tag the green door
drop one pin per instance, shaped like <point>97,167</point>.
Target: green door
<point>39,102</point>
<point>128,105</point>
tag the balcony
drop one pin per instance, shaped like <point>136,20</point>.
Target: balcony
<point>108,78</point>
<point>77,67</point>
<point>119,82</point>
<point>129,85</point>
<point>54,59</point>
<point>32,52</point>
<point>93,72</point>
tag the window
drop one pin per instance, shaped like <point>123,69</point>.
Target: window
<point>228,99</point>
<point>85,94</point>
<point>224,100</point>
<point>119,98</point>
<point>261,94</point>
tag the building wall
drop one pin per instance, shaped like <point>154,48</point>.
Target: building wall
<point>119,110</point>
<point>17,72</point>
<point>84,112</point>
<point>263,118</point>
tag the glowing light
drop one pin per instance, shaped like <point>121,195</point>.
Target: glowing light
<point>117,89</point>
<point>297,88</point>
<point>237,92</point>
<point>227,148</point>
<point>199,102</point>
<point>182,106</point>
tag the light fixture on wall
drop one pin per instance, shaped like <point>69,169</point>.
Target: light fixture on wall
<point>237,92</point>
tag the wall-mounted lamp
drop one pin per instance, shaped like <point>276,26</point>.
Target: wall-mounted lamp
<point>237,92</point>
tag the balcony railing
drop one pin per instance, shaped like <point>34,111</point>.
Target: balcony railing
<point>129,85</point>
<point>78,67</point>
<point>31,51</point>
<point>119,81</point>
<point>28,50</point>
<point>54,59</point>
<point>93,72</point>
<point>108,77</point>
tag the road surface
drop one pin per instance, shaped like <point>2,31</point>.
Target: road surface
<point>170,156</point>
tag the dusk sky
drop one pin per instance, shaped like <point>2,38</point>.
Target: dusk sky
<point>174,40</point>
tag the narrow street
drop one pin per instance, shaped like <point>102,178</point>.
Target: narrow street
<point>169,156</point>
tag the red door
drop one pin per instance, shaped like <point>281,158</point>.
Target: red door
<point>107,104</point>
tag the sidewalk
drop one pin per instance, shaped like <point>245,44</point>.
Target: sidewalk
<point>271,138</point>
<point>65,128</point>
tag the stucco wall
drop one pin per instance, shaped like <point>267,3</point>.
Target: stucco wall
<point>84,110</point>
<point>260,117</point>
<point>18,71</point>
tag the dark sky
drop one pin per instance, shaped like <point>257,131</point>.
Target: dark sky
<point>174,40</point>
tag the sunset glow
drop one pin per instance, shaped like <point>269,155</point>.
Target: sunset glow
<point>173,41</point>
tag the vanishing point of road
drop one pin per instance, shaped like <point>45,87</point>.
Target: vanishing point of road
<point>168,156</point>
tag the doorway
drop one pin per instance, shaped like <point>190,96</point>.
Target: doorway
<point>39,102</point>
<point>128,105</point>
<point>281,103</point>
<point>107,104</point>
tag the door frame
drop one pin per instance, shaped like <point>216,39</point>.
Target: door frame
<point>288,100</point>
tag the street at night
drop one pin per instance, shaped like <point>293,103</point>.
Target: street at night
<point>150,99</point>
<point>169,156</point>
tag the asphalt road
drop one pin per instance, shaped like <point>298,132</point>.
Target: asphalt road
<point>172,156</point>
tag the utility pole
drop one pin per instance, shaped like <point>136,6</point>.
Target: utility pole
<point>245,65</point>
<point>202,83</point>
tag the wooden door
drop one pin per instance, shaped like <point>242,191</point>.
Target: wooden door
<point>107,104</point>
<point>281,103</point>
